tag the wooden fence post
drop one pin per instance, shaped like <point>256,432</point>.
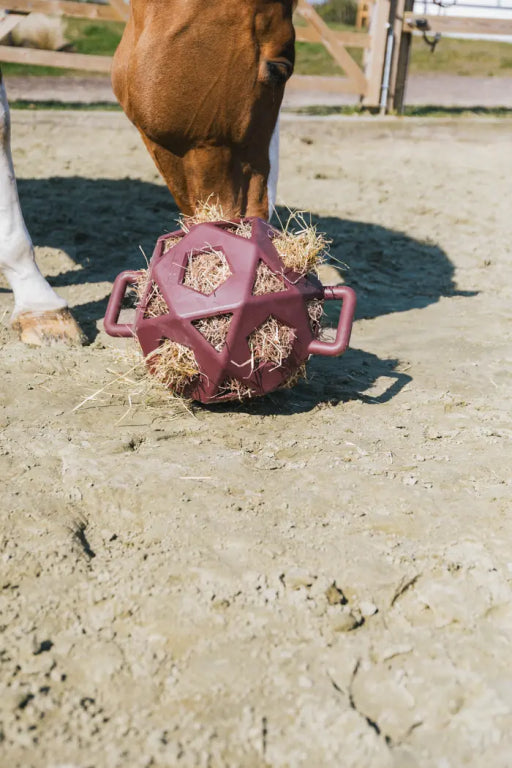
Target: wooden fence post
<point>401,56</point>
<point>375,55</point>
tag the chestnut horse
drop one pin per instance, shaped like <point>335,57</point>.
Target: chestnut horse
<point>203,82</point>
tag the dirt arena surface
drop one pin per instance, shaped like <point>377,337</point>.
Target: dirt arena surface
<point>318,579</point>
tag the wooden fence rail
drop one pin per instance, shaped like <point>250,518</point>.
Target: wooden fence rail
<point>459,24</point>
<point>315,30</point>
<point>114,11</point>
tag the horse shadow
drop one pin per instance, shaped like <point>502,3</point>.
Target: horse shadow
<point>107,225</point>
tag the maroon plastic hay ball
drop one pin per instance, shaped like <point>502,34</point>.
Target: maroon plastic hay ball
<point>229,365</point>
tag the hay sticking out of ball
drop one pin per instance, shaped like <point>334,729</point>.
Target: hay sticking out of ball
<point>296,376</point>
<point>206,271</point>
<point>271,342</point>
<point>156,304</point>
<point>315,308</point>
<point>174,366</point>
<point>234,387</point>
<point>205,212</point>
<point>267,281</point>
<point>300,246</point>
<point>209,211</point>
<point>170,243</point>
<point>214,329</point>
<point>244,229</point>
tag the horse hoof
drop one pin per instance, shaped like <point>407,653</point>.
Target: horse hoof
<point>45,329</point>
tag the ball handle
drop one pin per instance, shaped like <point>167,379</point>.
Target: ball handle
<point>340,343</point>
<point>121,283</point>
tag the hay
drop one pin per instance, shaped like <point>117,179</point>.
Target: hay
<point>206,271</point>
<point>267,281</point>
<point>214,329</point>
<point>300,247</point>
<point>174,366</point>
<point>205,212</point>
<point>296,376</point>
<point>272,342</point>
<point>234,387</point>
<point>315,309</point>
<point>243,229</point>
<point>170,242</point>
<point>156,304</point>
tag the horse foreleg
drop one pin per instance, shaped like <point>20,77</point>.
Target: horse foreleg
<point>40,315</point>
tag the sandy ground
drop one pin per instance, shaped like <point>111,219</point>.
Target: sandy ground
<point>320,578</point>
<point>441,90</point>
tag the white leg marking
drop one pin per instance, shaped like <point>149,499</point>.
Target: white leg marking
<point>31,291</point>
<point>274,170</point>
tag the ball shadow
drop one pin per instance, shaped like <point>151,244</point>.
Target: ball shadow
<point>104,224</point>
<point>330,381</point>
<point>389,270</point>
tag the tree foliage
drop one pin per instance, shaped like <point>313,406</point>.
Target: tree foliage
<point>340,11</point>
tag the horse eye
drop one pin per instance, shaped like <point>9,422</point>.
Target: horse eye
<point>277,72</point>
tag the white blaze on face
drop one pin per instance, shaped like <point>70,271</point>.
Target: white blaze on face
<point>31,291</point>
<point>274,170</point>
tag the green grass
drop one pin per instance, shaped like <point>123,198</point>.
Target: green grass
<point>100,38</point>
<point>25,70</point>
<point>463,57</point>
<point>419,111</point>
<point>56,105</point>
<point>458,57</point>
<point>313,59</point>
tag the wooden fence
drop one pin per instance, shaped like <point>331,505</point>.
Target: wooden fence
<point>379,83</point>
<point>364,82</point>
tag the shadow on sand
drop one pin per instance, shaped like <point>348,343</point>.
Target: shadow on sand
<point>102,224</point>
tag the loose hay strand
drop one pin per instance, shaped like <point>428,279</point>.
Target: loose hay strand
<point>106,386</point>
<point>138,386</point>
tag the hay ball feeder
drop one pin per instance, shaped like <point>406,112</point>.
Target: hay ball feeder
<point>220,297</point>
